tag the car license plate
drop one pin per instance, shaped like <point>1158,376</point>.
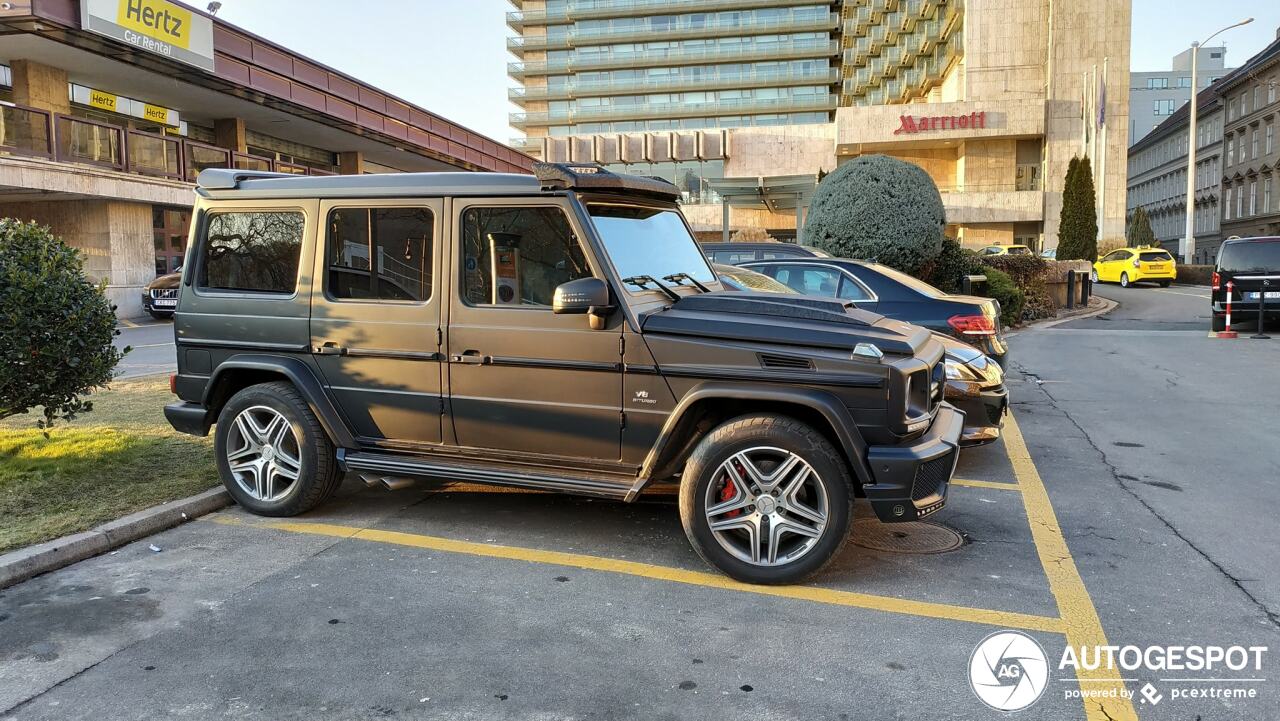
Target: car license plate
<point>1155,267</point>
<point>1254,295</point>
<point>165,302</point>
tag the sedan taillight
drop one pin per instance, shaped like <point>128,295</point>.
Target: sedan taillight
<point>973,324</point>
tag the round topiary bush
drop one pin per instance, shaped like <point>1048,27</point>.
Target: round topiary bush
<point>56,326</point>
<point>878,208</point>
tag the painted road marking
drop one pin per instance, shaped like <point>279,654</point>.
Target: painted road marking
<point>1174,292</point>
<point>1075,606</point>
<point>1003,619</point>
<point>969,483</point>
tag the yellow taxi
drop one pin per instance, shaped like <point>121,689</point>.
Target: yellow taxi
<point>1006,250</point>
<point>1127,266</point>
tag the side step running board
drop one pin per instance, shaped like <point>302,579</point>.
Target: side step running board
<point>382,467</point>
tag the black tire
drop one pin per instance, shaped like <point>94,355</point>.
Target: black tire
<point>787,434</point>
<point>1219,322</point>
<point>318,474</point>
<point>160,316</point>
<point>1166,283</point>
<point>1124,280</point>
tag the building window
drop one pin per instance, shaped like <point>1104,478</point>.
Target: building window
<point>1184,81</point>
<point>1257,97</point>
<point>380,254</point>
<point>1231,151</point>
<point>1215,56</point>
<point>1271,137</point>
<point>1240,201</point>
<point>1162,107</point>
<point>1255,142</point>
<point>1226,206</point>
<point>1157,83</point>
<point>1266,195</point>
<point>1271,91</point>
<point>251,252</point>
<point>1244,104</point>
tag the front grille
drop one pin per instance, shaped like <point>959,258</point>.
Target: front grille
<point>164,292</point>
<point>769,360</point>
<point>930,476</point>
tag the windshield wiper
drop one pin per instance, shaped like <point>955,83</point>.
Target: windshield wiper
<point>679,278</point>
<point>643,280</point>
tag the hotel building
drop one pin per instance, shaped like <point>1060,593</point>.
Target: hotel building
<point>991,97</point>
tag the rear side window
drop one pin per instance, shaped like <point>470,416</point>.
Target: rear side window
<point>251,252</point>
<point>380,253</point>
<point>733,257</point>
<point>1254,255</point>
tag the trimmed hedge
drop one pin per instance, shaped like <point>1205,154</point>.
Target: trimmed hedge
<point>878,208</point>
<point>1195,274</point>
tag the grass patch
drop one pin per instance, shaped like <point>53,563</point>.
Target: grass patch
<point>120,458</point>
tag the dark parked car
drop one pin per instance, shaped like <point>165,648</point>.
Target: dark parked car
<point>1252,266</point>
<point>975,383</point>
<point>160,296</point>
<point>891,293</point>
<point>736,253</point>
<point>561,332</point>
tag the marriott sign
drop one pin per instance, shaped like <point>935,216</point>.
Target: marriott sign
<point>913,124</point>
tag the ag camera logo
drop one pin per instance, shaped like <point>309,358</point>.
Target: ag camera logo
<point>1008,671</point>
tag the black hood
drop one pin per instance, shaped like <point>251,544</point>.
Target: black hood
<point>796,320</point>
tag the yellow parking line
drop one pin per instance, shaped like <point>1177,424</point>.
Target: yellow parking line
<point>1005,619</point>
<point>970,483</point>
<point>1079,617</point>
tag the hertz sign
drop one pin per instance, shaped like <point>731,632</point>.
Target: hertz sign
<point>156,26</point>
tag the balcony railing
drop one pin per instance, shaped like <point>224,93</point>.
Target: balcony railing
<point>38,133</point>
<point>655,84</point>
<point>681,56</point>
<point>795,23</point>
<point>595,9</point>
<point>747,106</point>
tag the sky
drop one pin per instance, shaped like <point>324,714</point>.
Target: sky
<point>449,56</point>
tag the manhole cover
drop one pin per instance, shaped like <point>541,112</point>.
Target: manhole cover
<point>911,537</point>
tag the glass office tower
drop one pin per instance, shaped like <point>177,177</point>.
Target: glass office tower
<point>589,67</point>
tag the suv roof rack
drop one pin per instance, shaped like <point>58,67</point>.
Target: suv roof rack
<point>230,178</point>
<point>594,177</point>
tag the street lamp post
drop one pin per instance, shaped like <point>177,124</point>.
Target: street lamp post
<point>1189,244</point>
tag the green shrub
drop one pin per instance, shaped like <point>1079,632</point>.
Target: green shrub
<point>56,326</point>
<point>948,269</point>
<point>1139,232</point>
<point>1195,274</point>
<point>1001,287</point>
<point>878,208</point>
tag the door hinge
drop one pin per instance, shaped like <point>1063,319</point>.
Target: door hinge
<point>622,419</point>
<point>622,345</point>
<point>439,336</point>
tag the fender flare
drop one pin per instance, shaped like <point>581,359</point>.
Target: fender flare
<point>302,377</point>
<point>671,449</point>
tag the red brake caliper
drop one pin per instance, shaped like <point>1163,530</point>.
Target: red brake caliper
<point>727,493</point>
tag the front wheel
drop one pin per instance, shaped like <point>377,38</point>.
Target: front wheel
<point>272,453</point>
<point>1124,280</point>
<point>766,499</point>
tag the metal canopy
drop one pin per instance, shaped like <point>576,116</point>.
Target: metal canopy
<point>775,193</point>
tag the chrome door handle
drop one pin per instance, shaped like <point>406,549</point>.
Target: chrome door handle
<point>471,357</point>
<point>330,348</point>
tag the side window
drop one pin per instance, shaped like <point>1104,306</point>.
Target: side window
<point>251,252</point>
<point>775,254</point>
<point>810,281</point>
<point>1116,255</point>
<point>733,257</point>
<point>517,256</point>
<point>379,253</point>
<point>850,290</point>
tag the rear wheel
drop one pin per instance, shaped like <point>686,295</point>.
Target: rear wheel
<point>1124,280</point>
<point>272,453</point>
<point>1166,283</point>
<point>766,499</point>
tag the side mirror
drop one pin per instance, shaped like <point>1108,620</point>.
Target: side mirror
<point>584,295</point>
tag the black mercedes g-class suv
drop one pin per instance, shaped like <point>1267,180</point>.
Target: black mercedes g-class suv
<point>557,331</point>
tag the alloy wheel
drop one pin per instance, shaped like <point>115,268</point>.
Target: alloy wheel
<point>263,453</point>
<point>766,506</point>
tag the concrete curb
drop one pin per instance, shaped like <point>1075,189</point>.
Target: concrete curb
<point>25,563</point>
<point>1108,305</point>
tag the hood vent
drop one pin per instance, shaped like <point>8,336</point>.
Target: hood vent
<point>785,362</point>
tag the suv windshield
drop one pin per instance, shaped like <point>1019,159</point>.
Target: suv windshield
<point>648,241</point>
<point>1250,255</point>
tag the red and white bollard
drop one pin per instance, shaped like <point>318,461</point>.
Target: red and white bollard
<point>1228,333</point>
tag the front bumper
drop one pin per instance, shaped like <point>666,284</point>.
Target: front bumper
<point>984,410</point>
<point>911,480</point>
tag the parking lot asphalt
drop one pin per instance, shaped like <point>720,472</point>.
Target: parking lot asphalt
<point>1115,511</point>
<point>152,346</point>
